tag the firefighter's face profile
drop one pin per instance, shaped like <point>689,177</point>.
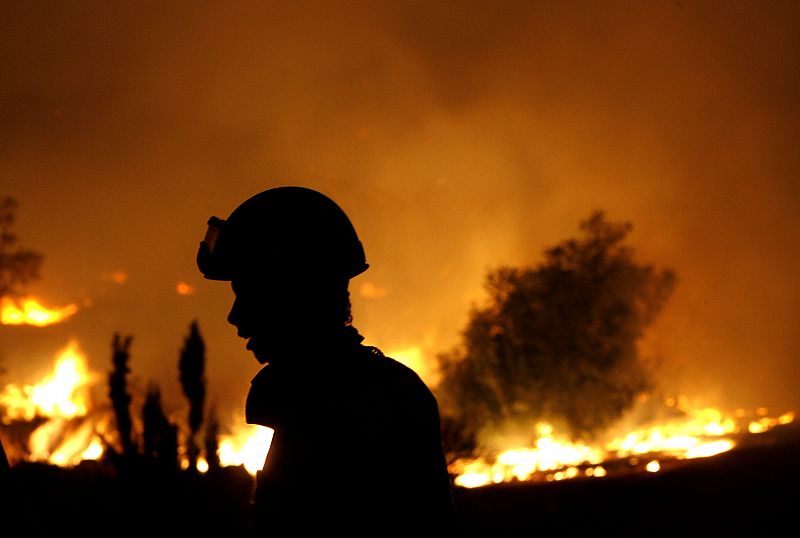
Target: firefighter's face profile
<point>264,314</point>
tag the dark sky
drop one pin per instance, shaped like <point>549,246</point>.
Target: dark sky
<point>457,135</point>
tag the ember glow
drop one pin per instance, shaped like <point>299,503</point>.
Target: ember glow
<point>182,288</point>
<point>118,276</point>
<point>29,311</point>
<point>700,433</point>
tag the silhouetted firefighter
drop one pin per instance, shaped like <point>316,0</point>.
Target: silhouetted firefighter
<point>191,365</point>
<point>357,443</point>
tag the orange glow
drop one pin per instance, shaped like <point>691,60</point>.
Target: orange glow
<point>117,277</point>
<point>184,289</point>
<point>29,311</point>
<point>411,357</point>
<point>415,358</point>
<point>372,291</point>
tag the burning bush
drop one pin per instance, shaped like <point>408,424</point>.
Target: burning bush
<point>556,341</point>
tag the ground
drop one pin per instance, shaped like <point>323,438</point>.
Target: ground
<point>749,490</point>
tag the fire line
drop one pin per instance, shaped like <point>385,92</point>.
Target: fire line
<point>29,311</point>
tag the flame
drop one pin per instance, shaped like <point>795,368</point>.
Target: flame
<point>686,438</point>
<point>765,423</point>
<point>94,451</point>
<point>202,464</point>
<point>249,446</point>
<point>549,453</point>
<point>61,397</point>
<point>29,311</point>
<point>62,393</point>
<point>71,434</point>
<point>702,433</point>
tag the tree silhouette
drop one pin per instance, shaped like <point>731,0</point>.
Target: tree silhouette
<point>557,341</point>
<point>191,366</point>
<point>18,266</point>
<point>118,392</point>
<point>160,436</point>
<point>211,441</point>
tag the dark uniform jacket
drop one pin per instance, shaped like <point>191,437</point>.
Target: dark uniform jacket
<point>357,446</point>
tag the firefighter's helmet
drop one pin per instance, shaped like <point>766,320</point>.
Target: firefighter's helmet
<point>289,231</point>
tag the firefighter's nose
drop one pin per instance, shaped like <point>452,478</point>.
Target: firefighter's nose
<point>234,314</point>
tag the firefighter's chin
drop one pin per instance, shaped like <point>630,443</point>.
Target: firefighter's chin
<point>268,349</point>
<point>258,350</point>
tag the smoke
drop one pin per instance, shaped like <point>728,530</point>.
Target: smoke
<point>457,135</point>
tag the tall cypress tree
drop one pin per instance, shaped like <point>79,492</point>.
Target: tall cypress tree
<point>118,391</point>
<point>160,437</point>
<point>192,365</point>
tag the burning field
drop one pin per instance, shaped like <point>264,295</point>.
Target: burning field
<point>747,490</point>
<point>69,466</point>
<point>691,468</point>
<point>64,419</point>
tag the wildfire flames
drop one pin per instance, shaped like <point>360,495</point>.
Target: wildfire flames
<point>29,311</point>
<point>60,394</point>
<point>69,431</point>
<point>700,433</point>
<point>61,401</point>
